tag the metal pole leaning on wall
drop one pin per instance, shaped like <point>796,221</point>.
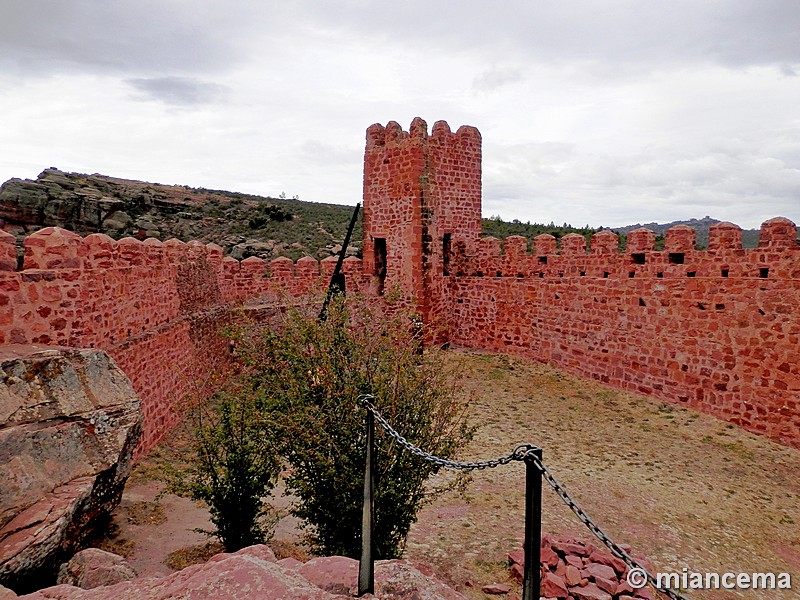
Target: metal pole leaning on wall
<point>366,566</point>
<point>531,573</point>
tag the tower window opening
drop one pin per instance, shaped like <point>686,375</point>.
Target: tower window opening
<point>380,262</point>
<point>446,248</point>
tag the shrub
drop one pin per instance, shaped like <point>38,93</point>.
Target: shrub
<point>232,467</point>
<point>307,376</point>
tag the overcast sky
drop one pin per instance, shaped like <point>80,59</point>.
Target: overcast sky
<point>599,112</point>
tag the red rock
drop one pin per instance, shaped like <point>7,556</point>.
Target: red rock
<point>517,557</point>
<point>548,557</point>
<point>646,593</point>
<point>401,580</point>
<point>251,574</point>
<point>604,558</point>
<point>553,586</point>
<point>496,588</point>
<point>568,548</point>
<point>606,585</point>
<point>624,587</point>
<point>560,569</point>
<point>598,570</point>
<point>572,575</point>
<point>575,561</point>
<point>290,562</point>
<point>93,567</point>
<point>335,574</point>
<point>70,424</point>
<point>517,573</point>
<point>590,592</point>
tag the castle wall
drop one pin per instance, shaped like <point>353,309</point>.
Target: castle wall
<point>155,307</point>
<point>718,330</point>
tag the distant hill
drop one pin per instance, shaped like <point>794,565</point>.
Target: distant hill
<point>701,226</point>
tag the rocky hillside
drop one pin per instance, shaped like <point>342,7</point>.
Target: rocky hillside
<point>243,224</point>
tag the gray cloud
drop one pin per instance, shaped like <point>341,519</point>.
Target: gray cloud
<point>615,37</point>
<point>39,37</point>
<point>181,91</point>
<point>733,33</point>
<point>492,79</point>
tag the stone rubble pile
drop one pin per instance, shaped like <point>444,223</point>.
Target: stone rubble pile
<point>576,570</point>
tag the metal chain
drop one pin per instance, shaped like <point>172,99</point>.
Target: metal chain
<point>616,550</point>
<point>522,452</point>
<point>518,454</point>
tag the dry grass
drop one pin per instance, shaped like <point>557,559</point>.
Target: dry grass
<point>684,489</point>
<point>192,555</point>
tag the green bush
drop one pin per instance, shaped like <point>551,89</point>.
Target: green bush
<point>232,467</point>
<point>307,375</point>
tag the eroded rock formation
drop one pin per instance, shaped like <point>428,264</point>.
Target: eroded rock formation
<point>69,422</point>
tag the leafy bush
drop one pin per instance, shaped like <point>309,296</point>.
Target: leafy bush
<point>307,375</point>
<point>232,467</point>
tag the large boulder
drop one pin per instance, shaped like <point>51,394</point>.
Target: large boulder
<point>93,567</point>
<point>254,573</point>
<point>69,423</point>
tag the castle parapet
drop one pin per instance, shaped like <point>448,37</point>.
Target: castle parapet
<point>680,238</point>
<point>53,248</point>
<point>778,234</point>
<point>641,240</point>
<point>605,243</point>
<point>724,236</point>
<point>778,255</point>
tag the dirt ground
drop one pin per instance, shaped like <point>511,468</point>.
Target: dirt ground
<point>682,488</point>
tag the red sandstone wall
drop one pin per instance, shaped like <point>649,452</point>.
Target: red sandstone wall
<point>417,188</point>
<point>155,307</point>
<point>718,330</point>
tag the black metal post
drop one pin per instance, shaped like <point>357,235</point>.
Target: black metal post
<point>337,277</point>
<point>366,566</point>
<point>531,573</point>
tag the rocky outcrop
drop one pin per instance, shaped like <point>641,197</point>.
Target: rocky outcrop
<point>254,573</point>
<point>244,225</point>
<point>80,203</point>
<point>69,423</point>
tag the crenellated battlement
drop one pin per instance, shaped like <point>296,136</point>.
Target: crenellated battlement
<point>65,280</point>
<point>777,254</point>
<point>393,135</point>
<point>155,306</point>
<point>54,248</point>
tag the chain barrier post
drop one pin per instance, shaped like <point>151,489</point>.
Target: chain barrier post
<point>366,566</point>
<point>531,572</point>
